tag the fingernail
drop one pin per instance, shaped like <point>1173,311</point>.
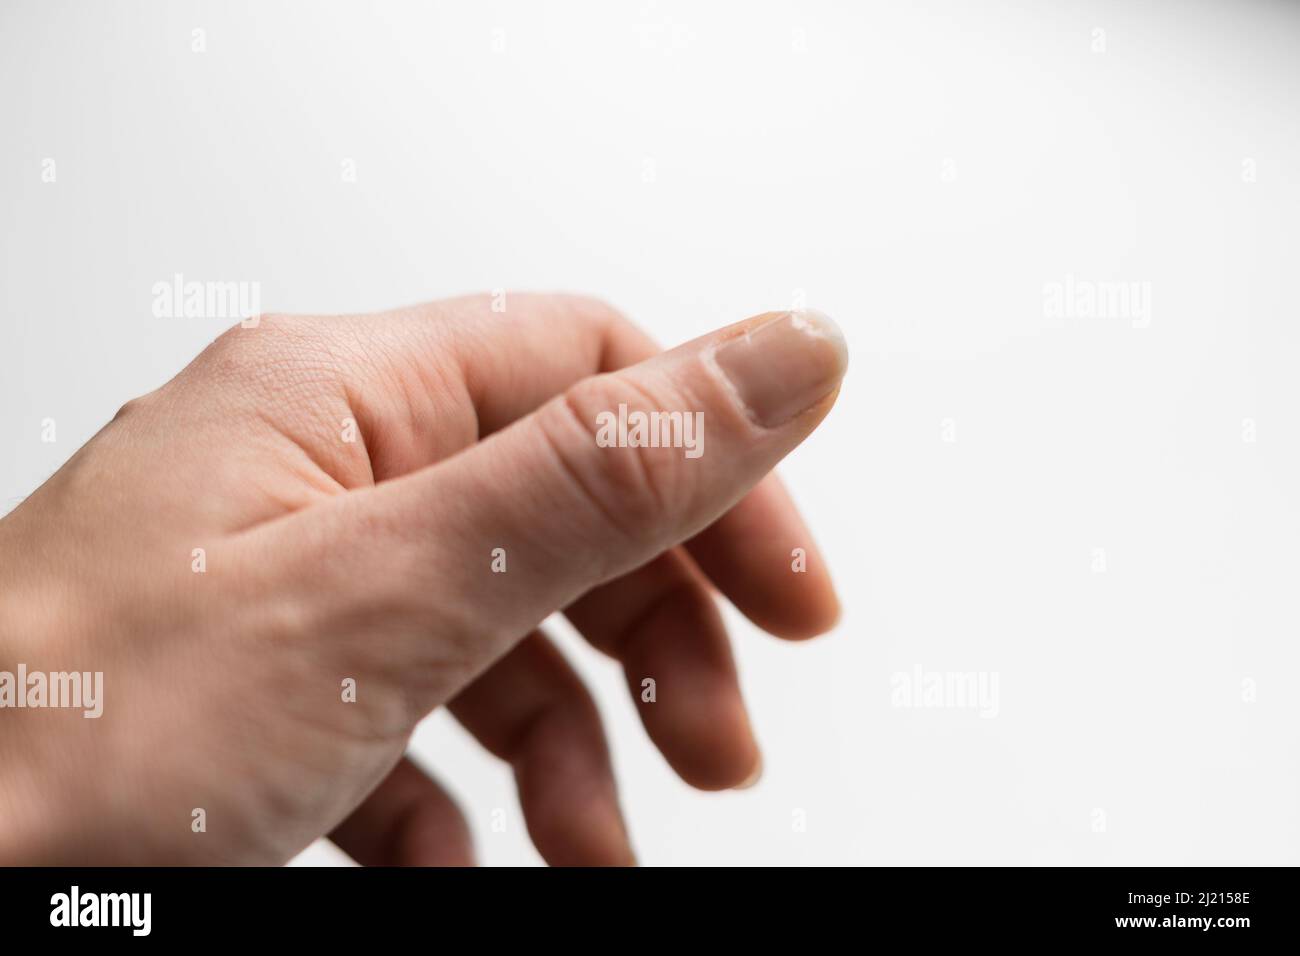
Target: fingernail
<point>785,365</point>
<point>754,776</point>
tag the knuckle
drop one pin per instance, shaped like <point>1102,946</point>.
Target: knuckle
<point>640,490</point>
<point>233,352</point>
<point>245,342</point>
<point>286,355</point>
<point>597,316</point>
<point>131,408</point>
<point>590,307</point>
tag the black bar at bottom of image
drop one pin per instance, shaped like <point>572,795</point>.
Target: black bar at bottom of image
<point>307,905</point>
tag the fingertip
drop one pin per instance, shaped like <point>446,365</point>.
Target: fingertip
<point>781,365</point>
<point>583,832</point>
<point>717,751</point>
<point>762,557</point>
<point>810,611</point>
<point>754,777</point>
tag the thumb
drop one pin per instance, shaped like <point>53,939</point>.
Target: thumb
<point>594,483</point>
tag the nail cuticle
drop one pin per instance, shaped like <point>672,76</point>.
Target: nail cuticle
<point>782,367</point>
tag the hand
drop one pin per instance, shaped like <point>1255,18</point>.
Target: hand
<point>397,500</point>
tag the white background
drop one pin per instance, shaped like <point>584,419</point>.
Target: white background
<point>918,171</point>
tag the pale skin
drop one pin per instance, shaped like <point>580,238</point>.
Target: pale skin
<point>326,559</point>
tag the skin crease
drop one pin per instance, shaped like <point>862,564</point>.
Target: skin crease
<point>327,559</point>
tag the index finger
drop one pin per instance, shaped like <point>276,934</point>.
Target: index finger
<point>762,556</point>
